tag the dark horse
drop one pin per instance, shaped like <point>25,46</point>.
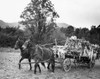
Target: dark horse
<point>43,54</point>
<point>33,54</point>
<point>24,52</point>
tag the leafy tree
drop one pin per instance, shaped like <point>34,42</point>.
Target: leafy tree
<point>77,32</point>
<point>98,31</point>
<point>35,18</point>
<point>95,34</point>
<point>63,29</point>
<point>9,35</point>
<point>85,33</point>
<point>69,31</point>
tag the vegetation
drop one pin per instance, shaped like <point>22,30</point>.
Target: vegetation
<point>8,36</point>
<point>92,35</point>
<point>39,19</point>
<point>35,18</point>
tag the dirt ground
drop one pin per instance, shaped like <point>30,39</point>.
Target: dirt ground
<point>9,59</point>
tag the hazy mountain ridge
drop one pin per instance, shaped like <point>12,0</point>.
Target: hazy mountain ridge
<point>13,24</point>
<point>62,25</point>
<point>4,24</point>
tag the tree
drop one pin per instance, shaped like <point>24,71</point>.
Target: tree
<point>98,35</point>
<point>35,18</point>
<point>85,33</point>
<point>9,36</point>
<point>70,31</point>
<point>95,34</point>
<point>77,32</point>
<point>63,29</point>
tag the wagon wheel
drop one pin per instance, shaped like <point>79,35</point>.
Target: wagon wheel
<point>67,64</point>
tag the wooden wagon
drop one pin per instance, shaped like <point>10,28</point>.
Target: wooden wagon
<point>73,53</point>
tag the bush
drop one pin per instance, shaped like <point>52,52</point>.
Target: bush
<point>8,36</point>
<point>6,40</point>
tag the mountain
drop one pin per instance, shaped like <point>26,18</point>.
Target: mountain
<point>6,24</point>
<point>3,24</point>
<point>62,25</point>
<point>15,24</point>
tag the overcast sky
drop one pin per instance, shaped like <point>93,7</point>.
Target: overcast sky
<point>79,13</point>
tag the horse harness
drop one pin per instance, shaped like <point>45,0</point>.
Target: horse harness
<point>42,54</point>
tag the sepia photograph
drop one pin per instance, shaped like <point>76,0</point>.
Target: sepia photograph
<point>49,39</point>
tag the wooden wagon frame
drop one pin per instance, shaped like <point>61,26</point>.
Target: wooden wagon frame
<point>72,56</point>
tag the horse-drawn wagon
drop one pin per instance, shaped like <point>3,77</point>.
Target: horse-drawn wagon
<point>75,51</point>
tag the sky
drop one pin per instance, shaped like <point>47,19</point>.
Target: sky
<point>79,13</point>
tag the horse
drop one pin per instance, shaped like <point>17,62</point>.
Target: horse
<point>43,54</point>
<point>24,52</point>
<point>28,45</point>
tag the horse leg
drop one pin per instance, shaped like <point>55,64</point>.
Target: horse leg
<point>30,63</point>
<point>39,68</point>
<point>48,67</point>
<point>53,65</point>
<point>35,67</point>
<point>20,62</point>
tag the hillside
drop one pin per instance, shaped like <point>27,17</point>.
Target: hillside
<point>62,25</point>
<point>3,24</point>
<point>14,24</point>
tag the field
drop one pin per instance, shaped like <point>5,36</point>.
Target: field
<point>9,59</point>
